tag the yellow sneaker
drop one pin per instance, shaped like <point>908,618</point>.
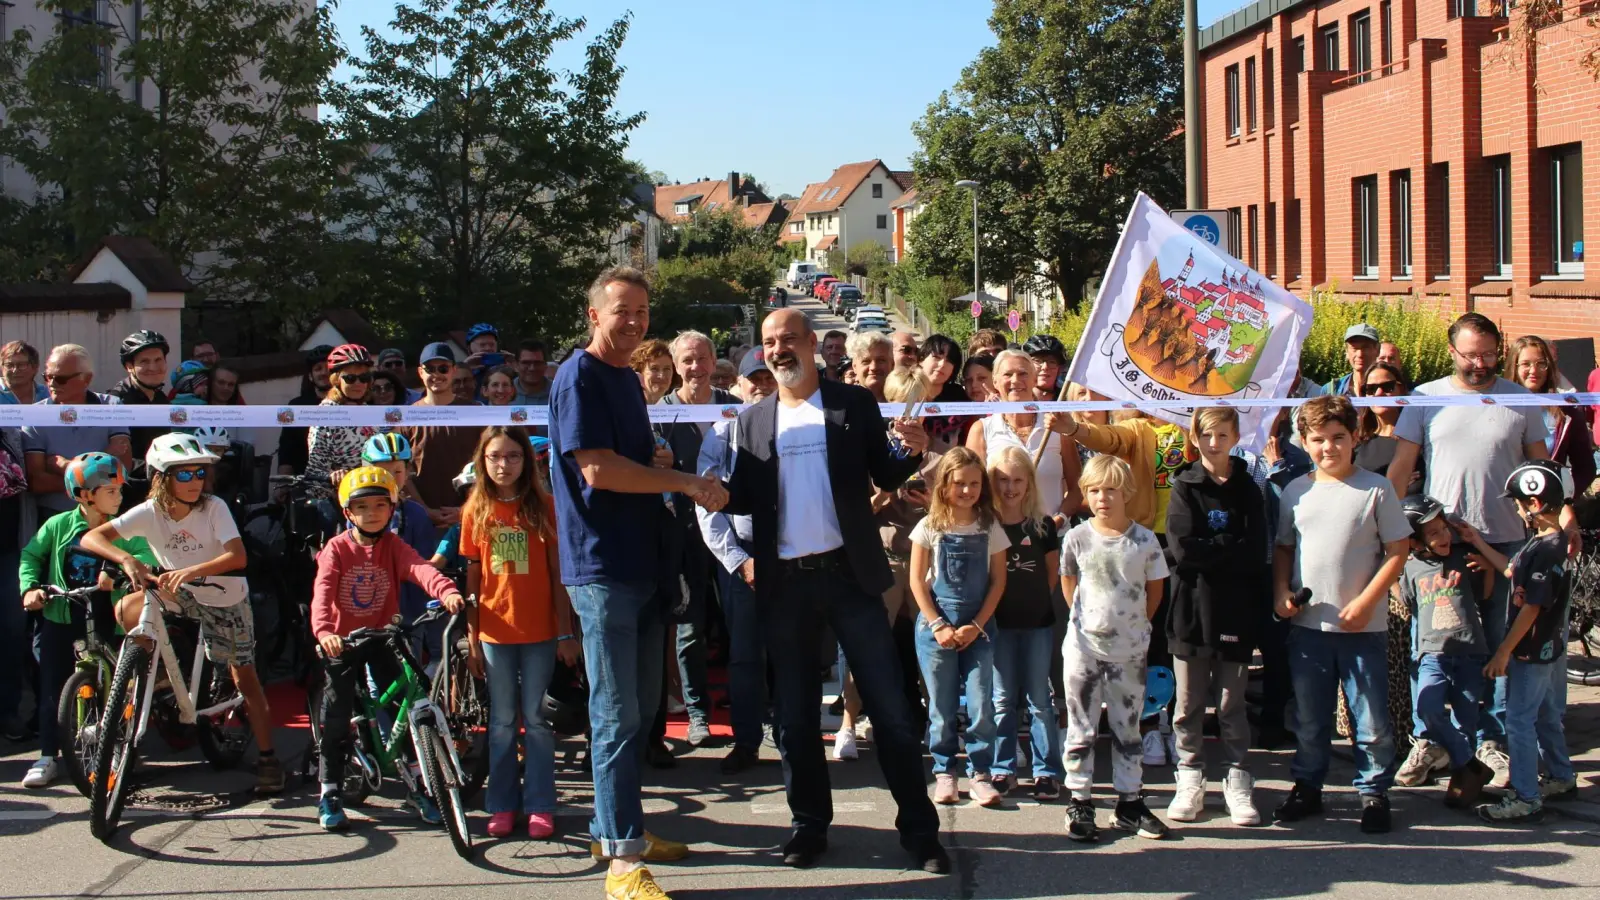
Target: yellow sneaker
<point>638,884</point>
<point>656,849</point>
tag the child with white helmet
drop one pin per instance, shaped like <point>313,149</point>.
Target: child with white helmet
<point>193,536</point>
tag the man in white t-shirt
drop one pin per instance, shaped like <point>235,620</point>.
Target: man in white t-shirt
<point>806,460</point>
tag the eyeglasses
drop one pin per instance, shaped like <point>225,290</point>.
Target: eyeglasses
<point>363,378</point>
<point>1380,387</point>
<point>1537,365</point>
<point>18,367</point>
<point>501,459</point>
<point>184,476</point>
<point>396,364</point>
<point>440,369</point>
<point>1484,359</point>
<point>64,378</point>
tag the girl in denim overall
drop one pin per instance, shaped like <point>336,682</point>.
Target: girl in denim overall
<point>959,572</point>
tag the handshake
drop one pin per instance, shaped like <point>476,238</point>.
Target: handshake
<point>705,490</point>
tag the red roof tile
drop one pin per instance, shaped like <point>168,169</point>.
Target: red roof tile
<point>827,242</point>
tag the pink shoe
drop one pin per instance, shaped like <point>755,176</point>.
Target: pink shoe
<point>541,826</point>
<point>501,824</point>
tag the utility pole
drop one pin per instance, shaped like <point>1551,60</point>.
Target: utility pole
<point>1194,196</point>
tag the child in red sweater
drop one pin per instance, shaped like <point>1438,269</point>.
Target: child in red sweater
<point>359,573</point>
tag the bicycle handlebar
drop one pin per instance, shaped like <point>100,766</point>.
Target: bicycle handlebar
<point>80,596</point>
<point>398,628</point>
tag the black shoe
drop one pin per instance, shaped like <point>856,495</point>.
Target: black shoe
<point>699,732</point>
<point>931,857</point>
<point>803,849</point>
<point>1134,816</point>
<point>836,708</point>
<point>659,757</point>
<point>18,731</point>
<point>1375,817</point>
<point>1304,800</point>
<point>739,759</point>
<point>1002,784</point>
<point>1080,821</point>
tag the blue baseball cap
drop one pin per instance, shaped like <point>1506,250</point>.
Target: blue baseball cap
<point>753,361</point>
<point>436,350</point>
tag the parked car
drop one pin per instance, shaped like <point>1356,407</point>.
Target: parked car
<point>844,296</point>
<point>817,282</point>
<point>823,287</point>
<point>872,323</point>
<point>798,270</point>
<point>855,312</point>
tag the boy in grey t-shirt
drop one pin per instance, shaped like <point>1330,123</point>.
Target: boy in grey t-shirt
<point>1341,534</point>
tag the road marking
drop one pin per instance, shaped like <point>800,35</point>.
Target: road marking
<point>26,815</point>
<point>765,809</point>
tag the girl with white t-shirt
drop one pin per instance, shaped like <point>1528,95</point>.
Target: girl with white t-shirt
<point>193,537</point>
<point>958,572</point>
<point>1055,458</point>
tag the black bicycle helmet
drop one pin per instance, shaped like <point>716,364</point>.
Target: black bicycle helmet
<point>1537,479</point>
<point>1420,509</point>
<point>566,701</point>
<point>1046,345</point>
<point>140,341</point>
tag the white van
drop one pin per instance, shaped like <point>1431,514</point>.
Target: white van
<point>797,269</point>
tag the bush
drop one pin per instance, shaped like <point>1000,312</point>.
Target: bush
<point>1419,332</point>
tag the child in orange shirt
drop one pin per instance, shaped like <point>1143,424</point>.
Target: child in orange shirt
<point>522,622</point>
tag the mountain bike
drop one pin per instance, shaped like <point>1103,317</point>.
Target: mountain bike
<point>282,538</point>
<point>1583,667</point>
<point>213,706</point>
<point>421,747</point>
<point>82,701</point>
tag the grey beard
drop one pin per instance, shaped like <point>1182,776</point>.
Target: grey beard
<point>788,376</point>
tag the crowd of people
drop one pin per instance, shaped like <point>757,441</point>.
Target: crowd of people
<point>982,585</point>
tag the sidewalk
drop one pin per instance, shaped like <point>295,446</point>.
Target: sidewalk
<point>1583,741</point>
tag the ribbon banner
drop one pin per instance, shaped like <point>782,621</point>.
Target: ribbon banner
<point>184,417</point>
<point>1179,320</point>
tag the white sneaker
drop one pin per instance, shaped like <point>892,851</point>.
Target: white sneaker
<point>844,745</point>
<point>40,775</point>
<point>864,729</point>
<point>1425,759</point>
<point>1155,749</point>
<point>1238,791</point>
<point>1189,797</point>
<point>1494,756</point>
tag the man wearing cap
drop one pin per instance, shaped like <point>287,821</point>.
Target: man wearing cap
<point>293,443</point>
<point>482,339</point>
<point>729,540</point>
<point>1360,351</point>
<point>439,452</point>
<point>393,359</point>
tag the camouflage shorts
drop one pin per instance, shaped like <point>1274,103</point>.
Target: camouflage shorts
<point>228,632</point>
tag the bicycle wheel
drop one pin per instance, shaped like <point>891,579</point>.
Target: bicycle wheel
<point>465,702</point>
<point>114,753</point>
<point>225,736</point>
<point>78,716</point>
<point>444,783</point>
<point>357,784</point>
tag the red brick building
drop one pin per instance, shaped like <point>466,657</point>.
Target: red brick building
<point>1409,149</point>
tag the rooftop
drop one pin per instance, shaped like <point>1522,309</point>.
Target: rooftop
<point>1244,19</point>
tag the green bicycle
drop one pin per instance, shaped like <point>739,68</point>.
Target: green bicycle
<point>83,697</point>
<point>419,749</point>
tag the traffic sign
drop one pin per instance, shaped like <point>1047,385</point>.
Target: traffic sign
<point>977,309</point>
<point>1013,320</point>
<point>1214,226</point>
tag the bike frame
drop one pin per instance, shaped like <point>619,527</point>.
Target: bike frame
<point>152,626</point>
<point>408,696</point>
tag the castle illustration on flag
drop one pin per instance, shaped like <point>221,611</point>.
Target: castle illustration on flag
<point>1200,332</point>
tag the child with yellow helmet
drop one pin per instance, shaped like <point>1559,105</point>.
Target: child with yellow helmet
<point>359,573</point>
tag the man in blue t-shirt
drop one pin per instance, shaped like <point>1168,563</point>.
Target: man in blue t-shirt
<point>48,450</point>
<point>608,480</point>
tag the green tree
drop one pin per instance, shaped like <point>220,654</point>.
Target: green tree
<point>716,233</point>
<point>1074,110</point>
<point>493,179</point>
<point>191,126</point>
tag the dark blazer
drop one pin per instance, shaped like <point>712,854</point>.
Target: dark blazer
<point>858,458</point>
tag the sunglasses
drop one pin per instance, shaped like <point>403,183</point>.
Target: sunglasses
<point>1380,387</point>
<point>364,378</point>
<point>395,364</point>
<point>184,476</point>
<point>440,369</point>
<point>62,379</point>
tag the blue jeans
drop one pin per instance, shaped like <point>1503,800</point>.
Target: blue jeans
<point>1457,680</point>
<point>1492,725</point>
<point>519,675</point>
<point>1536,695</point>
<point>13,635</point>
<point>950,674</point>
<point>691,627</point>
<point>1022,675</point>
<point>623,649</point>
<point>1321,661</point>
<point>747,660</point>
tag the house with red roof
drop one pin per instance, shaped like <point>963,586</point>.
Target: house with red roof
<point>853,206</point>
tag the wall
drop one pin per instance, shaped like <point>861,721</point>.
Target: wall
<point>859,215</point>
<point>101,339</point>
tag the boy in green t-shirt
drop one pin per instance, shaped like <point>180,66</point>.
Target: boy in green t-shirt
<point>94,481</point>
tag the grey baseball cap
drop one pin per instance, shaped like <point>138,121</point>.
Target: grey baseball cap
<point>1361,330</point>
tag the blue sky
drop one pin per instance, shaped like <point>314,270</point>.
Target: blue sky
<point>782,90</point>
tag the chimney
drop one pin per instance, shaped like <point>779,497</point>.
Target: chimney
<point>733,185</point>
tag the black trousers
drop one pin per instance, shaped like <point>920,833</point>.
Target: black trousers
<point>811,601</point>
<point>339,700</point>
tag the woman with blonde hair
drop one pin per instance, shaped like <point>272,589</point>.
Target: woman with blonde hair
<point>1055,457</point>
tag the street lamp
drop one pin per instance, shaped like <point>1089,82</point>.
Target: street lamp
<point>968,184</point>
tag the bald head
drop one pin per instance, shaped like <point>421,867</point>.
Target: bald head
<point>790,349</point>
<point>786,320</point>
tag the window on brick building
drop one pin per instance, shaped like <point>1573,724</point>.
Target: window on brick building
<point>1461,9</point>
<point>1385,34</point>
<point>1361,47</point>
<point>1439,210</point>
<point>1235,244</point>
<point>1250,94</point>
<point>1231,81</point>
<point>1330,48</point>
<point>1291,240</point>
<point>1400,215</point>
<point>1366,225</point>
<point>1297,57</point>
<point>1253,229</point>
<point>1268,74</point>
<point>1566,208</point>
<point>1500,215</point>
<point>1270,269</point>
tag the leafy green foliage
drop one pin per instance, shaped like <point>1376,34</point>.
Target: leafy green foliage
<point>490,181</point>
<point>716,233</point>
<point>194,134</point>
<point>1070,114</point>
